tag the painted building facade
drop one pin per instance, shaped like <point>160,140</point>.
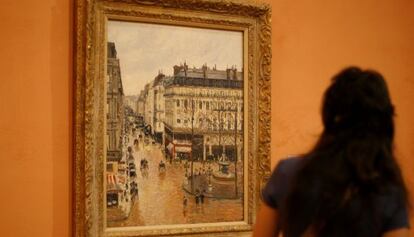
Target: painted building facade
<point>115,106</point>
<point>118,194</point>
<point>204,113</point>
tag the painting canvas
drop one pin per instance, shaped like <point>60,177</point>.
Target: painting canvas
<point>171,116</point>
<point>174,125</point>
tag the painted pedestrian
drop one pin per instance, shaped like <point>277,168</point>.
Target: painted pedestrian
<point>202,197</point>
<point>185,202</point>
<point>185,206</point>
<point>197,199</point>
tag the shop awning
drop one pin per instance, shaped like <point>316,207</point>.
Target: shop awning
<point>183,149</point>
<point>110,179</point>
<point>113,183</point>
<point>121,180</point>
<point>170,147</point>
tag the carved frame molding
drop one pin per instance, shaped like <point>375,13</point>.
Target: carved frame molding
<point>90,16</point>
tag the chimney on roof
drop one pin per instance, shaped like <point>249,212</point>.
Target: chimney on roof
<point>205,70</point>
<point>228,71</point>
<point>235,73</point>
<point>185,68</point>
<point>111,50</point>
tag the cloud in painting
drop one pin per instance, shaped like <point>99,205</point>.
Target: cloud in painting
<point>144,49</point>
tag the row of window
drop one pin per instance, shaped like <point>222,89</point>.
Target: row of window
<point>214,125</point>
<point>203,93</point>
<point>204,82</point>
<point>207,104</point>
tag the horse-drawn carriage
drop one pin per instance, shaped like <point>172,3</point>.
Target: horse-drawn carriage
<point>162,167</point>
<point>144,167</point>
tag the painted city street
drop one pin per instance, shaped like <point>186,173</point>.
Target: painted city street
<point>165,190</point>
<point>174,132</point>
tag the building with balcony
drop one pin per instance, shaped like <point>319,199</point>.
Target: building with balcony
<point>204,113</point>
<point>115,106</point>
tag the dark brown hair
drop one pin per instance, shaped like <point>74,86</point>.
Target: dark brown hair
<point>352,163</point>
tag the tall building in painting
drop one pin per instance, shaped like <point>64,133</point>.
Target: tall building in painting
<point>140,104</point>
<point>130,101</point>
<point>150,106</point>
<point>204,113</point>
<point>196,111</point>
<point>159,107</point>
<point>115,106</point>
<point>118,182</point>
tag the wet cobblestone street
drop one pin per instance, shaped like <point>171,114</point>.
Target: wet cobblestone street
<point>161,195</point>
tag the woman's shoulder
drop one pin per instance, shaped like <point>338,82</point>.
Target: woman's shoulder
<point>289,165</point>
<point>394,208</point>
<point>279,182</point>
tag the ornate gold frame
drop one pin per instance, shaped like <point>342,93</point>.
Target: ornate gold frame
<point>90,22</point>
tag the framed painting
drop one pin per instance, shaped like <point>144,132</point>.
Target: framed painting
<point>172,116</point>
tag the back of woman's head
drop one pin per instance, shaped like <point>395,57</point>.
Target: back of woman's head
<point>358,102</point>
<point>333,192</point>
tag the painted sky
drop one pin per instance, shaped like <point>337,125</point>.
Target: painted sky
<point>144,49</point>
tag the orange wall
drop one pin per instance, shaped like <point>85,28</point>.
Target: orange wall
<point>312,40</point>
<point>35,118</point>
